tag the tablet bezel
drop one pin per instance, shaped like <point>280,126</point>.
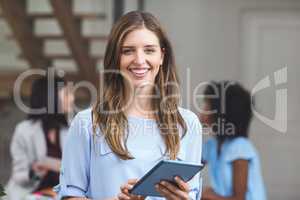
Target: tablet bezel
<point>162,162</point>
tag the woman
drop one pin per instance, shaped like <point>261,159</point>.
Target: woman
<point>233,162</point>
<point>136,121</point>
<point>37,141</point>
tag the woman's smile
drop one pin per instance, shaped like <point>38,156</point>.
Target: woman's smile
<point>139,72</point>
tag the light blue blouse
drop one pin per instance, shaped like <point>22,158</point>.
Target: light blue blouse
<point>220,168</point>
<point>90,168</point>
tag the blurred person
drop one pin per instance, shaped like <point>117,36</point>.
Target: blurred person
<point>136,122</point>
<point>37,141</point>
<point>233,162</point>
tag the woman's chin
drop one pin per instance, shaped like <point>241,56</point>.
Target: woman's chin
<point>140,84</point>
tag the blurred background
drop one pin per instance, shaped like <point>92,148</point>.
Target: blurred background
<point>256,42</point>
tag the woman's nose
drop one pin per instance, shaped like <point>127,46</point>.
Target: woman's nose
<point>140,58</point>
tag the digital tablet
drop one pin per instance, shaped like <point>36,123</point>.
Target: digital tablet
<point>165,170</point>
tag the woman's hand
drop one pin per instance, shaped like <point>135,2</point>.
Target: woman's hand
<point>208,194</point>
<point>172,192</point>
<point>124,195</point>
<point>39,169</point>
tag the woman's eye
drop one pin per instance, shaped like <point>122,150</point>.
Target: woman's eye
<point>149,51</point>
<point>127,51</point>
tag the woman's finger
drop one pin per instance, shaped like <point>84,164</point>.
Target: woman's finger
<point>129,185</point>
<point>165,192</point>
<point>175,190</point>
<point>137,197</point>
<point>126,187</point>
<point>122,196</point>
<point>125,190</point>
<point>182,185</point>
<point>132,181</point>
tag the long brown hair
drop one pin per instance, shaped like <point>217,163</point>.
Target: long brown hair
<point>114,124</point>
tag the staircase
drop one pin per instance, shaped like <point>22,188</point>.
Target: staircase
<point>69,35</point>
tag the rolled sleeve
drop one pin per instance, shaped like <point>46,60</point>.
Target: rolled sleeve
<point>240,148</point>
<point>74,175</point>
<point>64,190</point>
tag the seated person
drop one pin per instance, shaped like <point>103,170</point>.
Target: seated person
<point>37,141</point>
<point>233,162</point>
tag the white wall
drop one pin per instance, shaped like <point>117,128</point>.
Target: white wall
<point>205,33</point>
<point>207,38</point>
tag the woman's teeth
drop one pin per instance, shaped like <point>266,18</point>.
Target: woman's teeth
<point>139,71</point>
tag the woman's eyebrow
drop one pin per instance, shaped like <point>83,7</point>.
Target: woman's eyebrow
<point>148,45</point>
<point>128,47</point>
<point>151,45</point>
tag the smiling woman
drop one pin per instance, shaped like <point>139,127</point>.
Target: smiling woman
<point>38,140</point>
<point>136,121</point>
<point>141,56</point>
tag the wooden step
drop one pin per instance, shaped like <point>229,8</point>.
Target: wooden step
<point>60,37</point>
<point>63,57</point>
<point>89,16</point>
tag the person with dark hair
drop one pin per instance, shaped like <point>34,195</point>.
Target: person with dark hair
<point>36,147</point>
<point>233,162</point>
<point>135,123</point>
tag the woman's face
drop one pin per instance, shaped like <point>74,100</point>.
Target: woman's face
<point>204,115</point>
<point>141,57</point>
<point>66,99</point>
